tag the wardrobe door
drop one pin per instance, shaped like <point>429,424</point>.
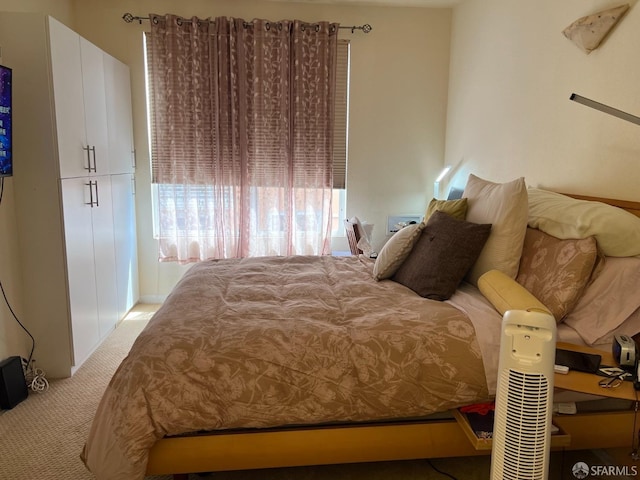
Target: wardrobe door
<point>66,69</point>
<point>119,115</point>
<point>77,196</point>
<point>95,107</point>
<point>124,220</point>
<point>104,254</point>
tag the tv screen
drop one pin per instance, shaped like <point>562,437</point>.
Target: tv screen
<point>6,145</point>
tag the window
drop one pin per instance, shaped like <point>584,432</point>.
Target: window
<point>274,213</point>
<point>341,139</point>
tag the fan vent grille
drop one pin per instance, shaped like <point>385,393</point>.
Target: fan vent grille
<point>524,423</point>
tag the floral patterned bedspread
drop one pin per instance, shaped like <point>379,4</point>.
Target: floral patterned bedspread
<point>264,342</point>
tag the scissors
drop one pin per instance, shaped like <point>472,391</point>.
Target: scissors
<point>613,381</point>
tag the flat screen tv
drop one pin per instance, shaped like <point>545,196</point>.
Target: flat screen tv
<point>6,107</point>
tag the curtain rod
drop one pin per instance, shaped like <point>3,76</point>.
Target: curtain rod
<point>366,28</point>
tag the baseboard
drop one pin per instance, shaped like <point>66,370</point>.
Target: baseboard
<point>151,299</point>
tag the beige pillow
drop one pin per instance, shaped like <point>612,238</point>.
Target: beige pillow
<point>610,302</point>
<point>505,206</point>
<point>617,231</point>
<point>455,208</point>
<point>396,250</point>
<point>505,293</point>
<point>556,271</point>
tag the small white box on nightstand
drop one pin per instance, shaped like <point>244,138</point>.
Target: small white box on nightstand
<point>396,222</point>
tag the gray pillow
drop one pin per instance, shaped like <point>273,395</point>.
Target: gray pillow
<point>442,256</point>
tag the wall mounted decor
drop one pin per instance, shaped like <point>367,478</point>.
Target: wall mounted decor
<point>588,32</point>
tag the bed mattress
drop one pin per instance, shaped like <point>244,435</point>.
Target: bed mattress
<point>273,341</point>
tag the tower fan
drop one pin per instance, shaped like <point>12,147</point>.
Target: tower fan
<point>524,396</point>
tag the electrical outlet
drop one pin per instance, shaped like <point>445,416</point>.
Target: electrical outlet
<point>395,222</point>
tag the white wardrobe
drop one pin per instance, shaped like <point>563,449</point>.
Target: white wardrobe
<point>74,187</point>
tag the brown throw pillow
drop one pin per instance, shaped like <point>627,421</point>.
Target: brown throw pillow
<point>442,256</point>
<point>556,271</point>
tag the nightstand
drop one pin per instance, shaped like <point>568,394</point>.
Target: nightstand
<point>588,382</point>
<point>607,429</point>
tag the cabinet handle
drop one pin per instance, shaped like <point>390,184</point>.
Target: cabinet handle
<point>93,201</point>
<point>89,149</point>
<point>96,184</point>
<point>90,185</point>
<point>95,165</point>
<point>133,185</point>
<point>134,160</point>
<point>88,167</point>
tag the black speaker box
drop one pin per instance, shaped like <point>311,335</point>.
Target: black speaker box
<point>13,386</point>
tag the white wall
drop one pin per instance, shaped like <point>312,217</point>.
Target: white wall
<point>61,9</point>
<point>509,114</point>
<point>13,340</point>
<point>398,103</point>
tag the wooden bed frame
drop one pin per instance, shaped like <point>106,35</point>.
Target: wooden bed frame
<point>288,447</point>
<point>353,444</point>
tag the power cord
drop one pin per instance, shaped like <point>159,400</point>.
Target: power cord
<point>634,446</point>
<point>440,471</point>
<point>35,377</point>
<point>33,341</point>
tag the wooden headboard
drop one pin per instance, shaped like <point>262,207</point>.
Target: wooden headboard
<point>629,206</point>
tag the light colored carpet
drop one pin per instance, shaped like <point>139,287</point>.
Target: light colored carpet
<point>42,437</point>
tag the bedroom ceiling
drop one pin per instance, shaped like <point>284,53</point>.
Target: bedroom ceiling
<point>384,3</point>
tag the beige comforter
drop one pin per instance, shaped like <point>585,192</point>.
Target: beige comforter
<point>270,341</point>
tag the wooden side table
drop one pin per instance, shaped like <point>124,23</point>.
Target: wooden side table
<point>607,429</point>
<point>588,382</point>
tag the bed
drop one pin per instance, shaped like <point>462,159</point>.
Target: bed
<point>286,361</point>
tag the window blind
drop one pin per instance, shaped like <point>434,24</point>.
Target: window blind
<point>340,138</point>
<point>340,134</point>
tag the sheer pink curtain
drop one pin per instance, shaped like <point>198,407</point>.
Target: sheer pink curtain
<point>241,136</point>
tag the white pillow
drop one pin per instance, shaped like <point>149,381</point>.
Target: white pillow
<point>617,231</point>
<point>396,251</point>
<point>608,302</point>
<point>505,207</point>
